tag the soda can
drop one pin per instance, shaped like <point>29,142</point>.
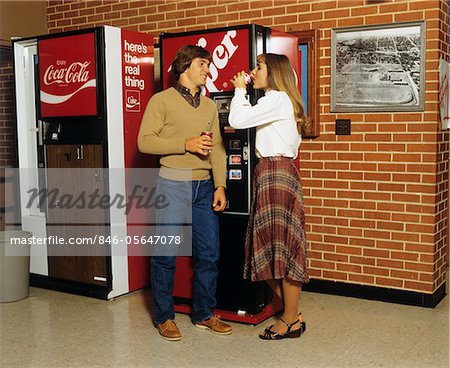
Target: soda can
<point>209,134</point>
<point>248,78</point>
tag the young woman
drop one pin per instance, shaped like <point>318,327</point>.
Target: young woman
<point>275,242</point>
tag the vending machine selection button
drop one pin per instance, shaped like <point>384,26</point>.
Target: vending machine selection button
<point>235,159</point>
<point>235,175</point>
<point>235,144</point>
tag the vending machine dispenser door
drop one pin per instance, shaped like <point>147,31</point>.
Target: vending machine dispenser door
<point>240,159</point>
<point>71,171</point>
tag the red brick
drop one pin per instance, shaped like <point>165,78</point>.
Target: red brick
<point>335,257</point>
<point>333,275</point>
<point>362,260</point>
<point>389,282</point>
<point>300,8</point>
<point>348,250</point>
<point>311,16</point>
<point>366,10</point>
<point>363,279</point>
<point>420,286</point>
<point>80,20</point>
<point>347,22</point>
<point>122,6</point>
<point>322,265</point>
<point>429,229</point>
<point>420,5</point>
<point>195,12</point>
<point>408,16</point>
<point>130,13</point>
<point>87,11</point>
<point>186,22</point>
<point>332,14</point>
<point>175,15</point>
<point>322,247</point>
<point>418,266</point>
<point>62,8</point>
<point>379,19</point>
<point>170,7</point>
<point>375,271</point>
<point>393,8</point>
<point>238,6</point>
<point>391,147</point>
<point>321,5</point>
<point>405,275</point>
<point>349,268</point>
<point>274,11</point>
<point>103,9</point>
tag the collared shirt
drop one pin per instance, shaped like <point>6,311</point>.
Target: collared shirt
<point>273,117</point>
<point>194,101</point>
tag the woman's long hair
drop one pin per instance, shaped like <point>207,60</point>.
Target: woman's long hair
<point>281,77</point>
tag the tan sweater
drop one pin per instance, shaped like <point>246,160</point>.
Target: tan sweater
<point>168,120</point>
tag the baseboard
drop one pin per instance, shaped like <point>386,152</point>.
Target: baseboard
<point>377,293</point>
<point>318,286</point>
<point>72,287</point>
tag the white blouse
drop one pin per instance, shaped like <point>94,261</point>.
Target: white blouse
<point>273,117</point>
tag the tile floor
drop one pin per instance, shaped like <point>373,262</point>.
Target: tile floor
<point>53,329</point>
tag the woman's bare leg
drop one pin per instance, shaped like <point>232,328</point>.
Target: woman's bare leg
<point>291,291</point>
<point>277,290</point>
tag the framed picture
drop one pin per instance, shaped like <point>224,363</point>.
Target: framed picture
<point>378,68</point>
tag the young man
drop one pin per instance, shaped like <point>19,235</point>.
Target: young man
<point>171,127</point>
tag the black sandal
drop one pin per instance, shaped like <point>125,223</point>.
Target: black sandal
<point>268,334</point>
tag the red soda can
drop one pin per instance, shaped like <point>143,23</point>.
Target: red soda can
<point>209,134</point>
<point>248,78</point>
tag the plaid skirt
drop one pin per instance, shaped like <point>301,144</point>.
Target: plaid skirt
<point>275,244</point>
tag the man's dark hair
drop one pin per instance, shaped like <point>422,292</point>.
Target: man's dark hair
<point>184,57</point>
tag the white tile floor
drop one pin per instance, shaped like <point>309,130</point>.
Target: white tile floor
<point>52,329</point>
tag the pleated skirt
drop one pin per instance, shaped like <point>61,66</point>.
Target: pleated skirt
<point>275,245</point>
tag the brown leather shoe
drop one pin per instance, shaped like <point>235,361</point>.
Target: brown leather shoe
<point>169,330</point>
<point>214,324</point>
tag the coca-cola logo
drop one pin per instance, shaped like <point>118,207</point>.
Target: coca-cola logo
<point>76,72</point>
<point>67,75</point>
<point>133,101</point>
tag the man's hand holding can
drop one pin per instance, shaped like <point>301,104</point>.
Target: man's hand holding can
<point>207,134</point>
<point>201,145</point>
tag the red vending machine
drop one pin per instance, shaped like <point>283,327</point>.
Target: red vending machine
<point>80,97</point>
<point>233,49</point>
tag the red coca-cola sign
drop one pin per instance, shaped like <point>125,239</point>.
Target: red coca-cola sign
<point>229,50</point>
<point>67,75</point>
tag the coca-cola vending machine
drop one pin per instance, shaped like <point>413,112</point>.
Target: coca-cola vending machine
<point>233,49</point>
<point>80,97</point>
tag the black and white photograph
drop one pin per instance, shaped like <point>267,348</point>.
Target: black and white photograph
<point>378,68</point>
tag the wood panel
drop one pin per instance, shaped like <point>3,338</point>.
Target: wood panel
<point>76,262</point>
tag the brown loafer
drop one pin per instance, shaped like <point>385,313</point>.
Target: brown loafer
<point>169,330</point>
<point>214,324</point>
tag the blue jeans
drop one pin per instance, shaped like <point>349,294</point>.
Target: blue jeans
<point>205,248</point>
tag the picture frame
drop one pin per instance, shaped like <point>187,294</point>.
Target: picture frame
<point>378,68</point>
<point>308,43</point>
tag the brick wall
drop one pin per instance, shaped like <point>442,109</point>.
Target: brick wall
<point>376,200</point>
<point>8,145</point>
